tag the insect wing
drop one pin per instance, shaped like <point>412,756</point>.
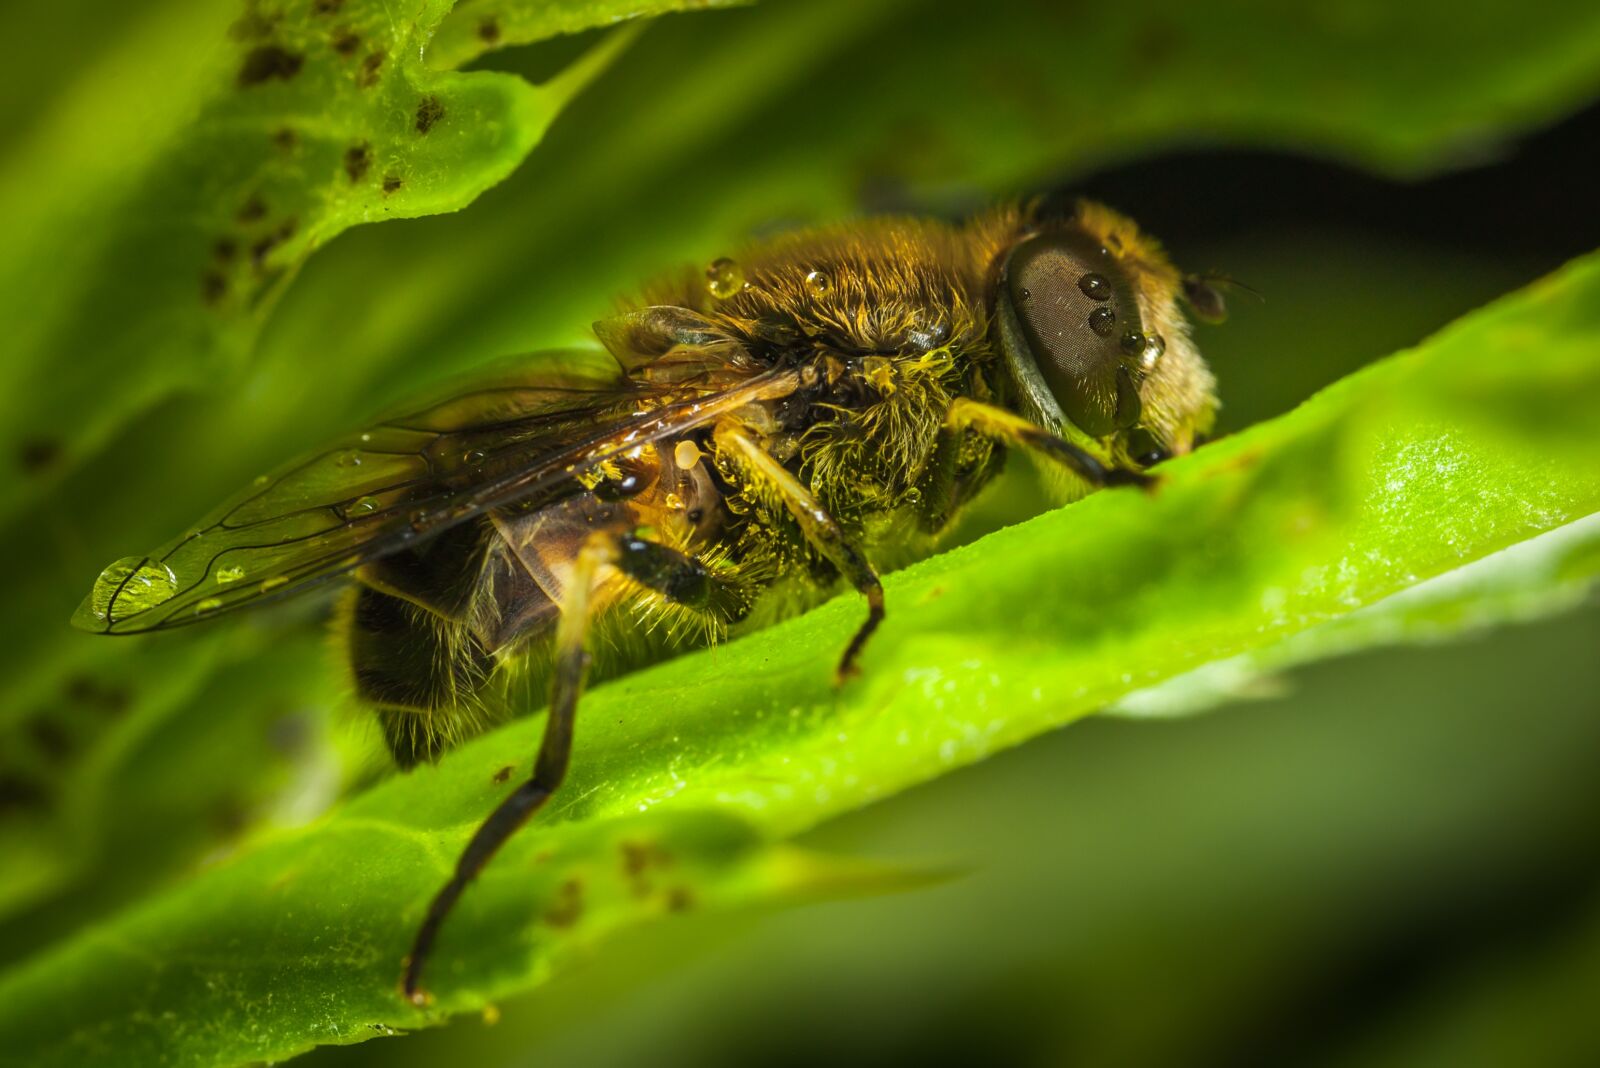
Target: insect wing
<point>355,500</point>
<point>510,438</point>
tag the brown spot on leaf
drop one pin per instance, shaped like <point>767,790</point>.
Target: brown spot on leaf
<point>264,246</point>
<point>567,907</point>
<point>680,899</point>
<point>285,139</point>
<point>18,793</point>
<point>370,66</point>
<point>504,773</point>
<point>266,62</point>
<point>84,690</point>
<point>640,857</point>
<point>51,738</point>
<point>224,249</point>
<point>489,30</point>
<point>357,161</point>
<point>213,286</point>
<point>392,183</point>
<point>429,111</point>
<point>38,455</point>
<point>346,42</point>
<point>252,209</point>
<point>326,7</point>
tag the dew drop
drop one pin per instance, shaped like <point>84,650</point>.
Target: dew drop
<point>724,278</point>
<point>348,458</point>
<point>1095,286</point>
<point>686,454</point>
<point>473,457</point>
<point>362,506</point>
<point>1133,343</point>
<point>1103,321</point>
<point>1155,346</point>
<point>136,583</point>
<point>210,604</point>
<point>226,575</point>
<point>819,282</point>
<point>259,481</point>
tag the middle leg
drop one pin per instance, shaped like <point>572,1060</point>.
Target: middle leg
<point>821,531</point>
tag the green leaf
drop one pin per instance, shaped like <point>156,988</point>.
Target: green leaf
<point>479,26</point>
<point>174,215</point>
<point>281,959</point>
<point>1399,473</point>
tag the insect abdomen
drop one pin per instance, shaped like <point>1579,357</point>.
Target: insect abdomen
<point>419,670</point>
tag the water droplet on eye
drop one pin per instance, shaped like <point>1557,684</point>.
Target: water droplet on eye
<point>724,278</point>
<point>1154,346</point>
<point>1133,343</point>
<point>1095,286</point>
<point>1103,321</point>
<point>362,506</point>
<point>226,575</point>
<point>268,585</point>
<point>819,283</point>
<point>210,604</point>
<point>348,458</point>
<point>1025,293</point>
<point>473,457</point>
<point>136,583</point>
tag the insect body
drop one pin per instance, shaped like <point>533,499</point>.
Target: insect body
<point>755,435</point>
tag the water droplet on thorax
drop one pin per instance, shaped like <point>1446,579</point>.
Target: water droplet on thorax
<point>136,583</point>
<point>819,282</point>
<point>724,278</point>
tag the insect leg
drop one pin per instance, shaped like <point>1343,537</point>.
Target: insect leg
<point>1011,429</point>
<point>820,529</point>
<point>549,767</point>
<point>951,478</point>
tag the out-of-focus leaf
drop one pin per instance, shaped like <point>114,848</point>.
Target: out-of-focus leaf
<point>1373,486</point>
<point>474,27</point>
<point>177,186</point>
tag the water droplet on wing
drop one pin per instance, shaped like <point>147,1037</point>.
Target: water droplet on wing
<point>135,583</point>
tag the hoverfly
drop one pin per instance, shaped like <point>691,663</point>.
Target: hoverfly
<point>763,431</point>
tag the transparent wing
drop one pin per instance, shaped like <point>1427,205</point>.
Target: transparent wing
<point>514,437</point>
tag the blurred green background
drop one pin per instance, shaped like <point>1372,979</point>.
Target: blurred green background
<point>1386,859</point>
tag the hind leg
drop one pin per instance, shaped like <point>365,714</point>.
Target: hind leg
<point>420,671</point>
<point>675,576</point>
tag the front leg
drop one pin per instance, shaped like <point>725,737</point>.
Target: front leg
<point>821,531</point>
<point>1012,429</point>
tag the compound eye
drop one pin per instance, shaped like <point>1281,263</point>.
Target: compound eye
<point>1079,319</point>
